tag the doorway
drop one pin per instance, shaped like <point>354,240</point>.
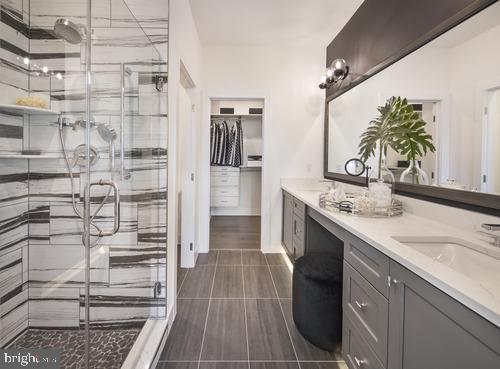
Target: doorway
<point>236,144</point>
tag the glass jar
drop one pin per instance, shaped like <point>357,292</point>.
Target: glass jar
<point>414,174</point>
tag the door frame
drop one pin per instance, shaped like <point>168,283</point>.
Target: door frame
<point>204,168</point>
<point>188,254</point>
<point>487,110</point>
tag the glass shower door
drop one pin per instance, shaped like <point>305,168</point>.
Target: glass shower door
<point>125,186</point>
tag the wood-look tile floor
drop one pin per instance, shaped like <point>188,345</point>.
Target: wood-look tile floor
<point>235,232</point>
<point>234,311</point>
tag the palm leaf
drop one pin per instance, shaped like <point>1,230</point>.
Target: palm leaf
<point>398,126</point>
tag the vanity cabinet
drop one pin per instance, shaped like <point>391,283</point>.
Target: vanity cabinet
<point>392,318</point>
<point>396,320</point>
<point>429,329</point>
<point>294,227</point>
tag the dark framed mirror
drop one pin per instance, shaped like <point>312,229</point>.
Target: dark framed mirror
<point>451,80</point>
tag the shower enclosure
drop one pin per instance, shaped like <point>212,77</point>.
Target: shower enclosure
<point>83,175</point>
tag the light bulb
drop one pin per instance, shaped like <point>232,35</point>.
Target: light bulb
<point>45,70</point>
<point>59,76</point>
<point>26,61</point>
<point>329,76</point>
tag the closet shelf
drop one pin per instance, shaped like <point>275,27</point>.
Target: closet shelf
<point>236,116</point>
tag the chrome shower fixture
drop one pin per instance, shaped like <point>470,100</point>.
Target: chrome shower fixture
<point>82,124</point>
<point>69,31</point>
<point>108,134</point>
<point>80,155</point>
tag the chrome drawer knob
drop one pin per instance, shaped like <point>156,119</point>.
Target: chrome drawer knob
<point>360,305</point>
<point>359,362</point>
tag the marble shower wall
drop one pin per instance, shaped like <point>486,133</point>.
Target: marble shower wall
<point>124,267</point>
<point>14,188</point>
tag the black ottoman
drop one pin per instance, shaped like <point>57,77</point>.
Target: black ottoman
<point>317,299</point>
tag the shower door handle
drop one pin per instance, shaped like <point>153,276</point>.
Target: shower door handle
<point>116,216</point>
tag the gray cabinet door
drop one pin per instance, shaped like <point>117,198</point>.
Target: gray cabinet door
<point>367,310</point>
<point>287,227</point>
<point>429,329</point>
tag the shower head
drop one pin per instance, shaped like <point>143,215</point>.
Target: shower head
<point>69,31</point>
<point>108,134</point>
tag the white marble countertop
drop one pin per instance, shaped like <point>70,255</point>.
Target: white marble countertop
<point>378,232</point>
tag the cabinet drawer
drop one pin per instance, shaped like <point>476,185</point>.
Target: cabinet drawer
<point>225,181</point>
<point>298,228</point>
<point>369,262</point>
<point>299,208</point>
<point>367,310</point>
<point>224,201</point>
<point>357,353</point>
<point>218,170</point>
<point>224,191</point>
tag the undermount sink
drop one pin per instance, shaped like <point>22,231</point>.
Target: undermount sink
<point>460,255</point>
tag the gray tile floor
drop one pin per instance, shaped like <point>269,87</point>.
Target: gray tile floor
<point>234,311</point>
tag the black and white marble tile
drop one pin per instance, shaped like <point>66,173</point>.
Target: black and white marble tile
<point>41,252</point>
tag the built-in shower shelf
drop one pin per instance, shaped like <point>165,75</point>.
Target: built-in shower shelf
<point>26,110</point>
<point>25,157</point>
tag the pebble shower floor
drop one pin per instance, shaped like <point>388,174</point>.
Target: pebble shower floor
<point>108,347</point>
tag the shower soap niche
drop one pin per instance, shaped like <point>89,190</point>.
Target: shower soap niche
<point>26,110</point>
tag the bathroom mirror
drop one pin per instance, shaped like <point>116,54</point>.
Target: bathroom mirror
<point>453,85</point>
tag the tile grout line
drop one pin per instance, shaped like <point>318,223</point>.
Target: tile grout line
<point>182,284</point>
<point>283,314</point>
<point>245,310</point>
<point>208,311</point>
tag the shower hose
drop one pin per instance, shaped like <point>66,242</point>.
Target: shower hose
<point>98,232</point>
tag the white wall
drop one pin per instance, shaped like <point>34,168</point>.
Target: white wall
<point>185,48</point>
<point>293,135</point>
<point>474,69</point>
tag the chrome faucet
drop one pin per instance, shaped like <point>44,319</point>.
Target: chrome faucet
<point>493,231</point>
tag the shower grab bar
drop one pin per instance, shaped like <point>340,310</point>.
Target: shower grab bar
<point>117,215</point>
<point>122,120</point>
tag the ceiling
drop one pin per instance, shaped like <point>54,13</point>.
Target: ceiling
<point>261,22</point>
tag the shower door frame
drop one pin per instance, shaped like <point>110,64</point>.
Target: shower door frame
<point>86,220</point>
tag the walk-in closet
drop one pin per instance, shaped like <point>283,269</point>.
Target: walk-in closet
<point>235,173</point>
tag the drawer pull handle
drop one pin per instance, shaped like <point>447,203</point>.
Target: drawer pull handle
<point>359,362</point>
<point>360,305</point>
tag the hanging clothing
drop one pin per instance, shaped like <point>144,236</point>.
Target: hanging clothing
<point>236,144</point>
<point>226,145</point>
<point>213,141</point>
<point>219,138</point>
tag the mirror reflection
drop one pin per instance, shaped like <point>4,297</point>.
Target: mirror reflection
<point>431,118</point>
<point>355,167</point>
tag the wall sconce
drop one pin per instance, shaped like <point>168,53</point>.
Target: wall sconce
<point>338,71</point>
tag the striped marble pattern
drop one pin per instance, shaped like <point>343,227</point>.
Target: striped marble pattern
<point>41,253</point>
